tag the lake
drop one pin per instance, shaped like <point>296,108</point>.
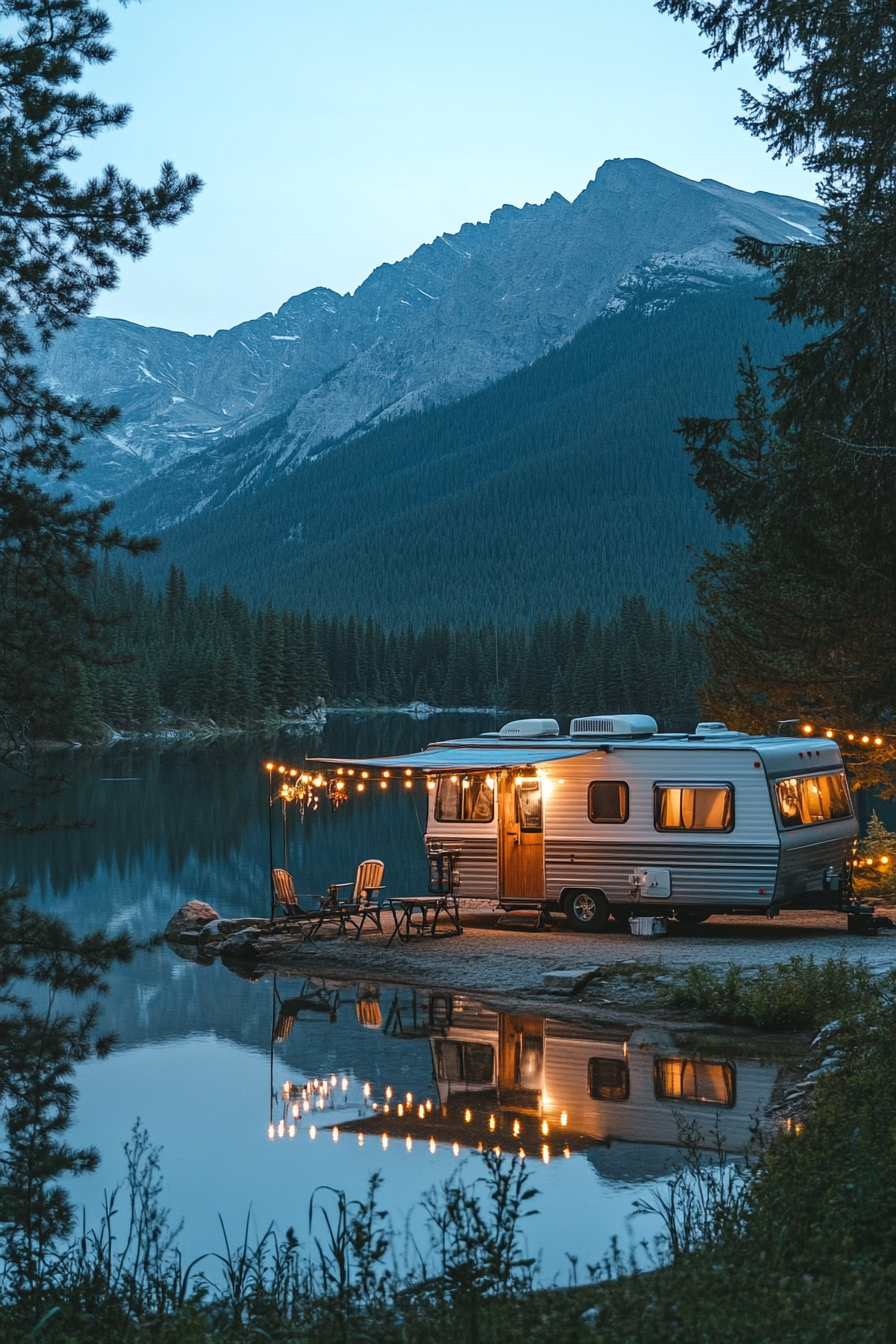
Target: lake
<point>260,1092</point>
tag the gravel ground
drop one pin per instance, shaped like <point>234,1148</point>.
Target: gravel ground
<point>496,962</point>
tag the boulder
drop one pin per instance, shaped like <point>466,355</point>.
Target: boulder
<point>193,915</point>
<point>240,944</point>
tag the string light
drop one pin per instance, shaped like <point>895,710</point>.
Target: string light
<point>866,739</point>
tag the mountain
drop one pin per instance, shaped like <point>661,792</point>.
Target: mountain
<point>562,484</point>
<point>457,315</point>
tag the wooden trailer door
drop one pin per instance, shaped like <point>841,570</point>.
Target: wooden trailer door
<point>520,1062</point>
<point>521,836</point>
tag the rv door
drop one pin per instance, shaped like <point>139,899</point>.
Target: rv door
<point>521,836</point>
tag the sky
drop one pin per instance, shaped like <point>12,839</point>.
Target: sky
<point>336,135</point>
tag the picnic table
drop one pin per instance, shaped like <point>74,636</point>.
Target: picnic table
<point>430,909</point>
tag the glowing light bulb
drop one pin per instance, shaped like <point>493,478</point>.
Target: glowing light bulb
<point>807,728</point>
<point>468,1116</point>
<point>360,788</point>
<point>388,1094</point>
<point>400,1109</point>
<point>409,772</point>
<point>878,741</point>
<point>428,1104</point>
<point>563,1117</point>
<point>567,1153</point>
<point>408,784</point>
<point>366,1089</point>
<point>409,1143</point>
<point>333,1080</point>
<point>455,1148</point>
<point>312,1133</point>
<point>544,1126</point>
<point>387,774</point>
<point>306,1105</point>
<point>851,737</point>
<point>491,1123</point>
<point>884,859</point>
<point>545,1154</point>
<point>516,1129</point>
<point>385,1142</point>
<point>432,1145</point>
<point>829,733</point>
<point>271,1131</point>
<point>421,1112</point>
<point>281,1129</point>
<point>291,1131</point>
<point>340,784</point>
<point>285,1089</point>
<point>270,765</point>
<point>365,774</point>
<point>360,1140</point>
<point>431,784</point>
<point>866,738</point>
<point>345,1084</point>
<point>295,1110</point>
<point>335,1133</point>
<point>409,1098</point>
<point>384,784</point>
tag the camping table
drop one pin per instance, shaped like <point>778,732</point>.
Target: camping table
<point>403,908</point>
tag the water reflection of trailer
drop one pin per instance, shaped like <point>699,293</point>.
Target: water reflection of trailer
<point>522,1082</point>
<point>616,815</point>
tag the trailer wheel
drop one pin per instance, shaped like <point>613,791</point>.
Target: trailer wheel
<point>586,911</point>
<point>691,914</point>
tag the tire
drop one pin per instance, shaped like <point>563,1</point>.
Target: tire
<point>691,914</point>
<point>586,911</point>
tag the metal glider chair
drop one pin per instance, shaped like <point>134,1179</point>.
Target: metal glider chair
<point>361,906</point>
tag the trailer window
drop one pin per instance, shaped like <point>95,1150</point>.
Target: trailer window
<point>464,1062</point>
<point>694,1080</point>
<point>608,1079</point>
<point>465,798</point>
<point>804,800</point>
<point>682,807</point>
<point>608,801</point>
<point>528,803</point>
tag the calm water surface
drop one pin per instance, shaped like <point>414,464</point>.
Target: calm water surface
<point>204,1057</point>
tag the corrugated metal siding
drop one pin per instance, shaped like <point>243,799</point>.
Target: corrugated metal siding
<point>704,868</point>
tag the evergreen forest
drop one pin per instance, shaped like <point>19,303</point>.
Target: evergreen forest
<point>560,486</point>
<point>205,655</point>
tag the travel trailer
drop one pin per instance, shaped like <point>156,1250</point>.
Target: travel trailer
<point>615,818</point>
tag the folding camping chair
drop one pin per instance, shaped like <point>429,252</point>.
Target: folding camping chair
<point>362,904</point>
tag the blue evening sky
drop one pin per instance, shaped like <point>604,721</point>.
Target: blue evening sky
<point>336,135</point>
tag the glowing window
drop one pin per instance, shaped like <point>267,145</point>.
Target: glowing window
<point>694,1080</point>
<point>804,800</point>
<point>685,807</point>
<point>464,1061</point>
<point>464,798</point>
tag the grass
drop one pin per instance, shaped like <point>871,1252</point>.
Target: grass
<point>795,995</point>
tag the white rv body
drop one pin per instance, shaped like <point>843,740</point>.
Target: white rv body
<point>538,840</point>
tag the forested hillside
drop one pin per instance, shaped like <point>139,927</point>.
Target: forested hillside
<point>211,656</point>
<point>562,485</point>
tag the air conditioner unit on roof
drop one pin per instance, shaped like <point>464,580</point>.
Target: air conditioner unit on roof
<point>614,725</point>
<point>528,728</point>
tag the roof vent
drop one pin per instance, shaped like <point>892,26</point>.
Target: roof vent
<point>704,729</point>
<point>531,728</point>
<point>614,725</point>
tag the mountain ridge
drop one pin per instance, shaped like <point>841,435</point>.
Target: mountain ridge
<point>457,314</point>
